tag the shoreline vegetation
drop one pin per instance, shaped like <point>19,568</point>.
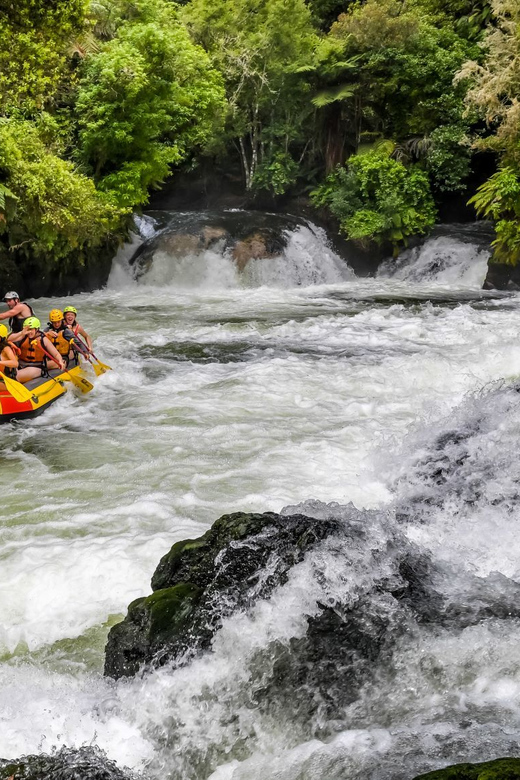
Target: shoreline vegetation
<point>376,114</point>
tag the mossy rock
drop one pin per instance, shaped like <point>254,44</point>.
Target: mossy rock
<point>152,627</point>
<point>241,559</point>
<point>499,769</point>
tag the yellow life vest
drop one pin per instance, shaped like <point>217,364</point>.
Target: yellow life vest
<point>59,341</point>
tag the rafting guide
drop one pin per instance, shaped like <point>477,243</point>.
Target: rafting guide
<point>18,311</point>
<point>37,365</point>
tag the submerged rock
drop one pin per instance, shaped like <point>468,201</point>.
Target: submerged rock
<point>86,763</point>
<point>253,247</point>
<point>499,769</point>
<point>245,235</point>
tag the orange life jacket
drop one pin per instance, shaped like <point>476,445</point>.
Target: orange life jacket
<point>59,341</point>
<point>32,350</point>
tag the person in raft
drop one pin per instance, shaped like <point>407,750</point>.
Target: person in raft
<point>17,313</point>
<point>69,316</point>
<point>8,359</point>
<point>63,338</point>
<point>36,354</point>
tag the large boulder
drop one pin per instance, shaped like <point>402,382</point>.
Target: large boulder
<point>244,235</point>
<point>242,558</point>
<point>367,585</point>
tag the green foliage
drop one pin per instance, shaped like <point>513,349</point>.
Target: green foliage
<point>33,55</point>
<point>448,157</point>
<point>50,208</point>
<point>100,99</point>
<point>377,198</point>
<point>277,173</point>
<point>402,86</point>
<point>494,92</point>
<point>325,12</point>
<point>5,196</point>
<point>147,100</point>
<point>29,14</point>
<point>468,17</point>
<point>499,199</point>
<point>262,49</point>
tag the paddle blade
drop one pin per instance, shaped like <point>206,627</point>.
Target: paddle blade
<point>78,381</point>
<point>16,389</point>
<point>99,368</point>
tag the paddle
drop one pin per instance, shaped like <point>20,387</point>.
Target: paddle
<point>100,368</point>
<point>17,390</point>
<point>78,381</point>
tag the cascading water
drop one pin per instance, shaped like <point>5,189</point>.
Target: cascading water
<point>285,382</point>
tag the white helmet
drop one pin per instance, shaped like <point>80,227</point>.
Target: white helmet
<point>10,295</point>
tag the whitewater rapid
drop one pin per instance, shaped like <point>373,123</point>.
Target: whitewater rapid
<point>293,382</point>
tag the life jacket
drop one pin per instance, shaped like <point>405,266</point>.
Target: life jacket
<point>32,351</point>
<point>16,323</point>
<point>57,338</point>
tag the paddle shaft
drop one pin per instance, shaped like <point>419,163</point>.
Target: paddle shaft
<point>104,366</point>
<point>84,385</point>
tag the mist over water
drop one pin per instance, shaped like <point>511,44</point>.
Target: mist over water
<point>387,402</point>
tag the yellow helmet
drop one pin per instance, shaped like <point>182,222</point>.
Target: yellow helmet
<point>3,332</point>
<point>56,315</point>
<point>32,322</point>
<point>70,308</point>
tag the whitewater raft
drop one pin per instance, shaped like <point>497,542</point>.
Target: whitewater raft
<point>45,390</point>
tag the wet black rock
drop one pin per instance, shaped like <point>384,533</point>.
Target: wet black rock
<point>502,276</point>
<point>247,235</point>
<point>499,769</point>
<point>86,763</point>
<point>241,559</point>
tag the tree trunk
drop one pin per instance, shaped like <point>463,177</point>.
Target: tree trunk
<point>334,137</point>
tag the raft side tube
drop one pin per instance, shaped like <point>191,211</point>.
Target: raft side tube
<point>46,390</point>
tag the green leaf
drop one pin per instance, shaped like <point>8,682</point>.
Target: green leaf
<point>327,96</point>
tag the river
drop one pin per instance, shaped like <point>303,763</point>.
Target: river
<point>293,382</point>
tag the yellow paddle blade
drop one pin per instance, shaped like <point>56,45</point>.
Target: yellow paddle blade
<point>99,368</point>
<point>16,389</point>
<point>78,381</point>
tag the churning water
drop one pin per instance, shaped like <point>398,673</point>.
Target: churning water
<point>292,382</point>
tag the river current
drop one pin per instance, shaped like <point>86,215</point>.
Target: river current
<point>292,383</point>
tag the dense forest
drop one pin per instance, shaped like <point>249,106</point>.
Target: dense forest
<point>374,111</point>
